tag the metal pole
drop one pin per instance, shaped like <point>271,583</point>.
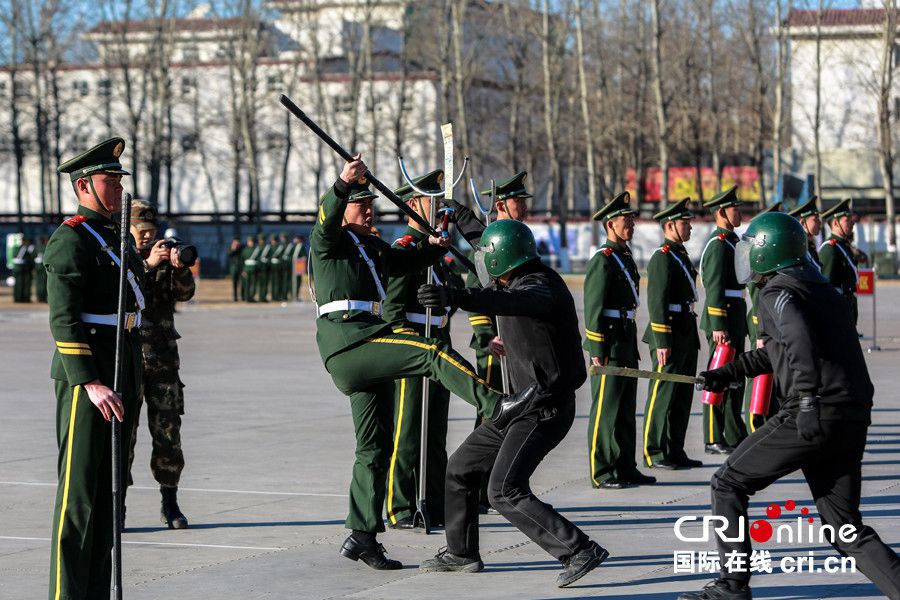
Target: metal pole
<point>504,367</point>
<point>874,347</point>
<point>124,251</point>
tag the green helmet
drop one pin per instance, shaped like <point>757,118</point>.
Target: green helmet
<point>773,241</point>
<point>505,245</point>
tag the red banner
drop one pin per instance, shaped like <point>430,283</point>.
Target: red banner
<point>866,284</point>
<point>300,266</point>
<point>683,183</point>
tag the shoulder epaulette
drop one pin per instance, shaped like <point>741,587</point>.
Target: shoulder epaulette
<point>832,242</point>
<point>406,240</point>
<point>721,237</point>
<point>665,249</point>
<point>607,251</point>
<point>75,221</point>
<point>448,258</point>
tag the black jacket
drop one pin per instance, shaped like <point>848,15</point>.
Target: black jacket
<point>540,329</point>
<point>811,345</point>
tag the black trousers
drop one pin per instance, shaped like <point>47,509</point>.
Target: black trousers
<point>510,456</point>
<point>832,468</point>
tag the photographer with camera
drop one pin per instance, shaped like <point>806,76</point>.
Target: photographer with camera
<point>168,280</point>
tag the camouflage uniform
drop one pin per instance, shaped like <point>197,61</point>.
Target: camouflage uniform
<point>162,389</point>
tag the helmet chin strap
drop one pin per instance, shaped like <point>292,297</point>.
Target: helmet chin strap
<point>90,179</point>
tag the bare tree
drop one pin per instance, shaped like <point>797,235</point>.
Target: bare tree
<point>781,57</point>
<point>586,118</point>
<point>817,110</point>
<point>662,121</point>
<point>885,132</point>
<point>13,20</point>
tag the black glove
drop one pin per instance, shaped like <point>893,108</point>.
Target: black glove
<point>808,425</point>
<point>435,296</point>
<point>715,380</point>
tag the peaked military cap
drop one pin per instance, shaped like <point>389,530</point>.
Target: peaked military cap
<point>514,187</point>
<point>102,158</point>
<point>840,209</point>
<point>724,199</point>
<point>360,192</point>
<point>432,183</point>
<point>777,207</point>
<point>143,215</point>
<point>806,209</point>
<point>676,212</point>
<point>620,205</point>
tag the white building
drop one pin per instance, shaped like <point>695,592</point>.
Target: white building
<point>850,51</point>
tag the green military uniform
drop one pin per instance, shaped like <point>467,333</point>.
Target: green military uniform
<point>250,258</point>
<point>263,268</point>
<point>164,285</point>
<point>235,270</point>
<point>360,351</point>
<point>611,298</point>
<point>838,260</point>
<point>754,422</point>
<point>275,274</point>
<point>407,316</point>
<point>671,293</point>
<point>23,271</point>
<point>82,293</point>
<point>40,273</point>
<point>724,310</point>
<point>284,267</point>
<point>299,251</point>
<point>808,209</point>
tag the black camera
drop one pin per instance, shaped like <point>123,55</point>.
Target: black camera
<point>187,253</point>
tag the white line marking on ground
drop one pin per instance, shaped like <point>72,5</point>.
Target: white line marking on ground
<point>138,543</point>
<point>202,490</point>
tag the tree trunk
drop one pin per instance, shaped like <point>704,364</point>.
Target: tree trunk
<point>885,138</point>
<point>817,118</point>
<point>460,77</point>
<point>778,117</point>
<point>662,121</point>
<point>593,204</point>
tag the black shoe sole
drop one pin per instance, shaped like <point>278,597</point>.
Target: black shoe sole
<point>355,557</point>
<point>474,567</point>
<point>587,568</point>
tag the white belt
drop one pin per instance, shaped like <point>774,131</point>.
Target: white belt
<point>345,305</point>
<point>681,307</point>
<point>618,314</point>
<point>250,262</point>
<point>734,293</point>
<point>132,320</point>
<point>436,320</point>
<point>18,261</point>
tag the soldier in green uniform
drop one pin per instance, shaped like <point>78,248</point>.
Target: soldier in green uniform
<point>674,343</point>
<point>263,268</point>
<point>407,316</point>
<point>298,253</point>
<point>837,256</point>
<point>285,266</point>
<point>23,271</point>
<point>754,422</point>
<point>275,274</point>
<point>364,357</point>
<point>808,215</point>
<point>611,298</point>
<point>235,267</point>
<point>166,281</point>
<point>250,257</point>
<point>40,274</point>
<point>724,318</point>
<point>82,293</point>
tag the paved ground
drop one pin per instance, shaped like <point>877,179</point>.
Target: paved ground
<point>269,446</point>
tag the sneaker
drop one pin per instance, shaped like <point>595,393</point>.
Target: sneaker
<point>718,590</point>
<point>581,564</point>
<point>444,561</point>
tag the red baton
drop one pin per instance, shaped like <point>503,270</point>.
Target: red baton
<point>723,355</point>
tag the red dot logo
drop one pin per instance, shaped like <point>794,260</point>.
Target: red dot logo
<point>760,531</point>
<point>773,511</point>
<point>804,511</point>
<point>790,505</point>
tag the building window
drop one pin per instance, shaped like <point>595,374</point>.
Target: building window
<point>190,54</point>
<point>188,86</point>
<point>896,114</point>
<point>104,88</point>
<point>2,89</point>
<point>189,142</point>
<point>343,104</point>
<point>80,88</point>
<point>273,84</point>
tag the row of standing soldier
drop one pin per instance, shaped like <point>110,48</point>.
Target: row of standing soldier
<point>261,271</point>
<point>28,271</point>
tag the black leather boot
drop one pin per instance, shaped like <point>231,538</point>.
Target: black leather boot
<point>512,406</point>
<point>169,513</point>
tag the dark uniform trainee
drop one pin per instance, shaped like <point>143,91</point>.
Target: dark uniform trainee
<point>754,422</point>
<point>23,271</point>
<point>837,254</point>
<point>812,349</point>
<point>40,273</point>
<point>808,215</point>
<point>362,355</point>
<point>82,295</point>
<point>537,315</point>
<point>407,316</point>
<point>611,298</point>
<point>724,318</point>
<point>166,281</point>
<point>674,343</point>
<point>235,268</point>
<point>250,258</point>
